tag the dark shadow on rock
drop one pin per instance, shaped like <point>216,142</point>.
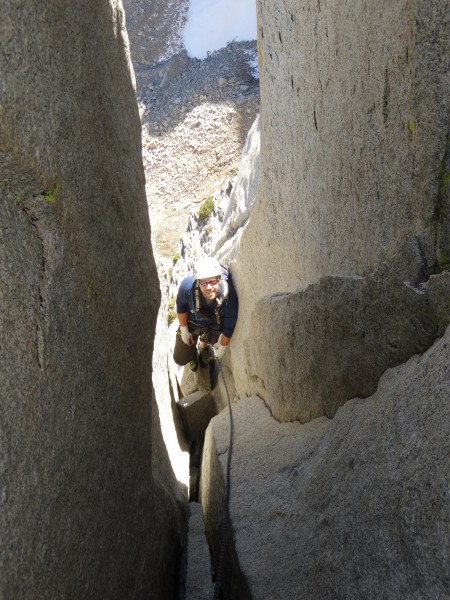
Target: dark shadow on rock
<point>84,516</point>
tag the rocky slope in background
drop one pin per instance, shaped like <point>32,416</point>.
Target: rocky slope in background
<point>155,29</point>
<point>220,233</point>
<point>195,115</point>
<point>85,513</point>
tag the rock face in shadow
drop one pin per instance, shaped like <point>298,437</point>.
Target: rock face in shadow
<point>353,507</point>
<point>198,578</point>
<point>81,514</point>
<point>351,215</point>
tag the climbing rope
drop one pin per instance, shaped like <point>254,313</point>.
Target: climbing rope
<point>226,521</point>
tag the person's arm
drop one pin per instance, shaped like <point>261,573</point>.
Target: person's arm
<point>220,345</point>
<point>182,319</point>
<point>182,304</point>
<point>184,329</point>
<point>230,316</point>
<point>224,340</point>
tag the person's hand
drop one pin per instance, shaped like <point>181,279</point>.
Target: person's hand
<point>220,350</point>
<point>186,335</point>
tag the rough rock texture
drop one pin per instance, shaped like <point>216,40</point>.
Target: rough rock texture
<point>82,516</point>
<point>354,126</point>
<point>354,144</point>
<point>155,29</point>
<point>343,333</point>
<point>353,507</point>
<point>342,274</point>
<point>235,219</point>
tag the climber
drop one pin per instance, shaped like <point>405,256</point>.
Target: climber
<point>207,310</point>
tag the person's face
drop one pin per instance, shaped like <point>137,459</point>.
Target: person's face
<point>209,287</point>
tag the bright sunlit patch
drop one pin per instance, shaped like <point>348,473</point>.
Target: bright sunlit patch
<point>213,23</point>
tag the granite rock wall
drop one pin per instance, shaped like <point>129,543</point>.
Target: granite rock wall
<point>354,172</point>
<point>82,515</point>
<point>349,507</point>
<point>341,352</point>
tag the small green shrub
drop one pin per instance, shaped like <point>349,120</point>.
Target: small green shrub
<point>171,312</point>
<point>206,209</point>
<point>445,180</point>
<point>50,195</point>
<point>444,261</point>
<point>176,258</point>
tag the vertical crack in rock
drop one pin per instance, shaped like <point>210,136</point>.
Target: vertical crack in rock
<point>443,210</point>
<point>39,214</point>
<point>386,96</point>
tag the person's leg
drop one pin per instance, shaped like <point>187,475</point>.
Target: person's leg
<point>204,355</point>
<point>182,353</point>
<point>203,350</point>
<point>204,347</point>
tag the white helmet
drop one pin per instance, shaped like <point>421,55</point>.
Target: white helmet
<point>207,267</point>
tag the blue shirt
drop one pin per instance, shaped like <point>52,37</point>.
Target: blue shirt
<point>206,316</point>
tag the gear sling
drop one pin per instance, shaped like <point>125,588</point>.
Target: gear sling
<point>209,333</point>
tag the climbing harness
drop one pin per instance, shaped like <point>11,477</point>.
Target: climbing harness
<point>218,300</point>
<point>206,317</point>
<point>226,521</point>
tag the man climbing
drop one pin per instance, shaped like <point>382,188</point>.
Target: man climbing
<point>207,310</point>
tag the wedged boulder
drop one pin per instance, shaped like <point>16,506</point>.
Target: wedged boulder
<point>186,380</point>
<point>191,382</point>
<point>332,341</point>
<point>353,507</point>
<point>196,411</point>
